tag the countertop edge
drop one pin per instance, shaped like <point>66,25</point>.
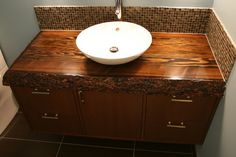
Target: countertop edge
<point>146,85</point>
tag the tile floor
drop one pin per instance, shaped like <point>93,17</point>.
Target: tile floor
<point>18,140</point>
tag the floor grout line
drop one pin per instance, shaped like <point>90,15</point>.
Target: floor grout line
<point>61,142</point>
<point>59,146</point>
<point>159,151</point>
<point>97,146</point>
<point>134,149</point>
<point>29,140</point>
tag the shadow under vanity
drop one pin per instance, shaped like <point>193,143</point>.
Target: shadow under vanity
<point>168,95</point>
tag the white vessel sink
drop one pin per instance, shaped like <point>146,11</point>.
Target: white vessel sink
<point>114,43</point>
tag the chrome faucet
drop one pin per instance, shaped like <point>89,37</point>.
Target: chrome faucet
<point>118,11</point>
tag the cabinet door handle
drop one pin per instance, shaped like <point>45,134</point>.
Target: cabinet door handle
<point>182,100</point>
<point>46,116</point>
<point>80,97</point>
<point>181,126</point>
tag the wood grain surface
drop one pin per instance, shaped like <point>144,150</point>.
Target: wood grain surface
<point>171,56</point>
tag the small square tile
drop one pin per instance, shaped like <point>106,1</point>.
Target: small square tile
<point>223,49</point>
<point>18,148</point>
<point>83,151</point>
<point>155,19</point>
<point>22,130</point>
<point>98,142</point>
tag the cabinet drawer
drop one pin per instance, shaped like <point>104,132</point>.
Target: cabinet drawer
<point>178,119</point>
<point>53,122</point>
<point>176,132</point>
<point>49,110</point>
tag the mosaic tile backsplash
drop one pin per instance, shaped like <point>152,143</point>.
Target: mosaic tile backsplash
<point>155,19</point>
<point>223,49</point>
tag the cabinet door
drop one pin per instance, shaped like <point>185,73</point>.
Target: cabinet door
<point>49,110</point>
<point>178,120</point>
<point>111,115</point>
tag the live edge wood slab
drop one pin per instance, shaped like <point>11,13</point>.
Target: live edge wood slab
<point>175,64</point>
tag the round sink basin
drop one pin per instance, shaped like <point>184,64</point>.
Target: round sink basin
<point>114,43</point>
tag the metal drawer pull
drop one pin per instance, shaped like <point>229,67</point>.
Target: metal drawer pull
<point>182,100</point>
<point>40,93</point>
<point>45,116</point>
<point>36,92</point>
<point>181,126</point>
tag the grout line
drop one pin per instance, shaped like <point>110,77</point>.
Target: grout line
<point>194,151</point>
<point>14,123</point>
<point>169,152</point>
<point>97,146</point>
<point>59,146</point>
<point>29,140</point>
<point>134,148</point>
<point>79,30</point>
<point>92,146</point>
<point>61,142</point>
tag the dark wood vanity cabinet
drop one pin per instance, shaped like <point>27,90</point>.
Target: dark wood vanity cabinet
<point>49,110</point>
<point>118,115</point>
<point>178,119</point>
<point>112,115</point>
<point>118,104</point>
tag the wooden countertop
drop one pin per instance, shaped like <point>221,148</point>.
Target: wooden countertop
<point>171,56</point>
<point>175,64</point>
